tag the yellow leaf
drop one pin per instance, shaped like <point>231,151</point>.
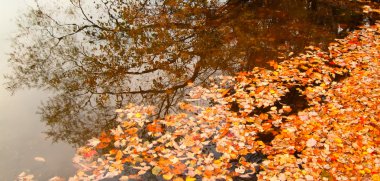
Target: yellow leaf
<point>250,120</point>
<point>338,140</point>
<point>190,179</point>
<point>217,162</point>
<point>374,177</point>
<point>156,170</point>
<point>168,176</point>
<point>224,91</point>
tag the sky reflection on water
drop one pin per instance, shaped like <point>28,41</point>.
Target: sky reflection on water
<point>21,137</point>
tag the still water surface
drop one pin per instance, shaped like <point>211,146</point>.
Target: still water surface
<point>21,138</point>
<point>81,102</point>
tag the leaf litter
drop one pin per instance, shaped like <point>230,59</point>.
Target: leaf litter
<point>336,137</point>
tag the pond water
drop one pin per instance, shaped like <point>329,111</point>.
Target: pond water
<point>21,137</point>
<point>90,73</point>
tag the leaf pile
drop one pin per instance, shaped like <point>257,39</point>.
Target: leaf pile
<point>336,135</point>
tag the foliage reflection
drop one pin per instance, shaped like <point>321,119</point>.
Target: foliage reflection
<point>99,56</point>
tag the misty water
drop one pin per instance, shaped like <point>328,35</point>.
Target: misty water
<point>80,100</point>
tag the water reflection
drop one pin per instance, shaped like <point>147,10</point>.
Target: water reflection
<point>100,56</point>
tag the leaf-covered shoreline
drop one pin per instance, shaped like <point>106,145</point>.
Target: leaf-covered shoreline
<point>336,136</point>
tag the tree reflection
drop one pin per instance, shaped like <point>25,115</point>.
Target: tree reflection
<point>99,56</point>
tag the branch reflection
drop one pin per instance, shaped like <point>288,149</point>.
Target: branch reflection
<point>99,56</point>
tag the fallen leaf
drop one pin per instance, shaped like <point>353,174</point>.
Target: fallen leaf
<point>311,142</point>
<point>40,159</point>
<point>93,142</point>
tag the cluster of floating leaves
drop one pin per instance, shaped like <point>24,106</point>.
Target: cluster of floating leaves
<point>335,137</point>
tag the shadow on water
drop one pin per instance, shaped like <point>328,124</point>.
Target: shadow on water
<point>147,53</point>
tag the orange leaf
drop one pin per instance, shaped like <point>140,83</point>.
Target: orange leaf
<point>119,155</point>
<point>273,64</point>
<point>102,145</point>
<point>263,116</point>
<point>208,173</point>
<point>131,131</point>
<point>113,151</point>
<point>188,141</point>
<point>104,138</point>
<point>154,128</point>
<point>266,126</point>
<point>287,109</point>
<point>179,168</point>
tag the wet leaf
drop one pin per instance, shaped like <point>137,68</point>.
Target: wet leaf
<point>40,159</point>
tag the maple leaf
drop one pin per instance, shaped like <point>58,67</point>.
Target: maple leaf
<point>188,141</point>
<point>118,131</point>
<point>93,142</point>
<point>89,154</point>
<point>311,142</point>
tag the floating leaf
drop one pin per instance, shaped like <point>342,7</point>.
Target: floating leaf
<point>40,159</point>
<point>167,176</point>
<point>93,142</point>
<point>178,179</point>
<point>190,179</point>
<point>156,170</point>
<point>119,155</point>
<point>311,142</point>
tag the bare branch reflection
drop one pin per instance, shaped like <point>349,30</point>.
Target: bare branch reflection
<point>98,56</point>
